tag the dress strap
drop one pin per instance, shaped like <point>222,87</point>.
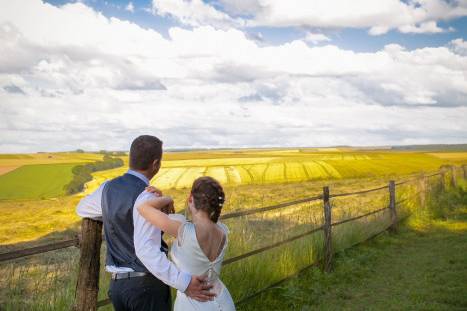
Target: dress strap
<point>221,245</point>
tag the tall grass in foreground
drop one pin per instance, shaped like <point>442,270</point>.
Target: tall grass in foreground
<point>421,268</point>
<point>47,282</point>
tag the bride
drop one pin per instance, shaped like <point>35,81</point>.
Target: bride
<point>200,245</point>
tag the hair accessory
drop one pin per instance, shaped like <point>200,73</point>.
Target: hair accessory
<point>220,198</point>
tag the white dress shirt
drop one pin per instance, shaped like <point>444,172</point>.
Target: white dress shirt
<point>146,237</point>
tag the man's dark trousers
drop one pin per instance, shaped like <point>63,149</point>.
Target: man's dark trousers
<point>144,293</point>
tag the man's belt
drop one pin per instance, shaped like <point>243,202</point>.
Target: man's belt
<point>127,275</point>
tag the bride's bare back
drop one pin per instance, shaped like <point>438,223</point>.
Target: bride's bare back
<point>211,239</point>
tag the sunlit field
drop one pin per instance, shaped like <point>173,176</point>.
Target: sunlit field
<point>246,167</point>
<point>252,178</point>
<point>33,204</point>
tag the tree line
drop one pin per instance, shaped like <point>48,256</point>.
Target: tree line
<point>82,173</point>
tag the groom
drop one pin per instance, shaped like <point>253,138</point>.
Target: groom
<point>141,272</point>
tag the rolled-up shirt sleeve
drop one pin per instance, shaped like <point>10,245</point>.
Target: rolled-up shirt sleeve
<point>147,240</point>
<point>90,206</point>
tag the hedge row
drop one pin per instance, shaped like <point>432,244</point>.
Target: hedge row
<point>82,173</point>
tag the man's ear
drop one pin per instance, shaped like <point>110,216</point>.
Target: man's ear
<point>156,163</point>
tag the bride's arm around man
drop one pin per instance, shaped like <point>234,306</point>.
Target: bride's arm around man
<point>136,253</point>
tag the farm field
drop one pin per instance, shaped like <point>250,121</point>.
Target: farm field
<point>35,181</point>
<point>245,167</point>
<point>39,175</point>
<point>33,205</point>
<point>9,162</point>
<point>252,179</point>
<point>247,233</point>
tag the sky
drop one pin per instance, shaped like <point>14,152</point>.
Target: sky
<point>221,73</point>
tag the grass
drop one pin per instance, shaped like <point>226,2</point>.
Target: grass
<point>423,267</point>
<point>248,183</point>
<point>35,181</point>
<point>32,222</point>
<point>25,277</point>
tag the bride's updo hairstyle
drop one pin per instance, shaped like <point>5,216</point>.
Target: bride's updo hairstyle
<point>208,196</point>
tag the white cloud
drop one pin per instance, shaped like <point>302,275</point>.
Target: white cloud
<point>426,27</point>
<point>316,38</point>
<point>70,77</point>
<point>130,7</point>
<point>194,13</point>
<point>459,46</point>
<point>414,16</point>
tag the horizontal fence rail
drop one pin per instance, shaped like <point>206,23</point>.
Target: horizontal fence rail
<point>266,248</point>
<point>268,208</point>
<point>357,192</point>
<point>358,217</point>
<point>39,249</point>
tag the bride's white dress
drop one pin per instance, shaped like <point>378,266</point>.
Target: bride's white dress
<point>188,256</point>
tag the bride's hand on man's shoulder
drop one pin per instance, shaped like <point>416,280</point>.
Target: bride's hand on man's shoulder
<point>169,207</point>
<point>152,189</point>
<point>165,204</point>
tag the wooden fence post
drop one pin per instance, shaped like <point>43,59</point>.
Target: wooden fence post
<point>422,190</point>
<point>392,206</point>
<point>327,263</point>
<point>87,285</point>
<point>453,176</point>
<point>464,168</point>
<point>443,179</point>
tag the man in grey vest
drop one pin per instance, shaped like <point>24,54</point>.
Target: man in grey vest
<point>141,276</point>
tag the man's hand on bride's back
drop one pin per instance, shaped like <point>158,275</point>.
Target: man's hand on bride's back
<point>198,289</point>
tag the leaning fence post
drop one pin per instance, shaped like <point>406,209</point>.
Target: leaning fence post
<point>87,285</point>
<point>327,263</point>
<point>392,206</point>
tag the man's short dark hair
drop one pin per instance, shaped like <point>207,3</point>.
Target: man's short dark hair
<point>144,150</point>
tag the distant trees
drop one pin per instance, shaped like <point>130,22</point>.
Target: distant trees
<point>82,173</point>
<point>113,153</point>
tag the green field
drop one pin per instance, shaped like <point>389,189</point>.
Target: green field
<point>35,181</point>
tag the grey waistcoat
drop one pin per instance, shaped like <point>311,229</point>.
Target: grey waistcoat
<point>118,197</point>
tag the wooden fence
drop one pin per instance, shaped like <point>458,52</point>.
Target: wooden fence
<point>90,239</point>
